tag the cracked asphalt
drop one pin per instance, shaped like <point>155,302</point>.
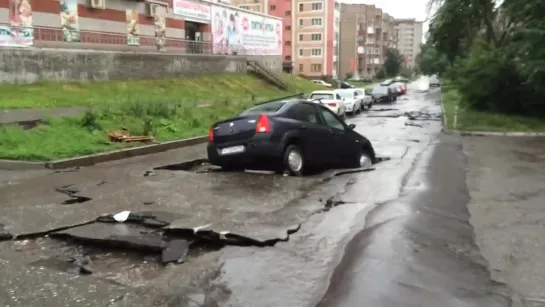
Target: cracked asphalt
<point>136,233</point>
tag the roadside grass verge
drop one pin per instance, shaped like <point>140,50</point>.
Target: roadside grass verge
<point>187,111</point>
<point>473,120</point>
<point>208,88</point>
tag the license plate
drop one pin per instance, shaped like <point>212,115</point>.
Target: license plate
<point>232,150</point>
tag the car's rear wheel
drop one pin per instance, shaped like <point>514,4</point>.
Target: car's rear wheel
<point>293,160</point>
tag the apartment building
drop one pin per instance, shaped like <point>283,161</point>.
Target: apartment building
<point>410,37</point>
<point>311,33</point>
<point>366,34</point>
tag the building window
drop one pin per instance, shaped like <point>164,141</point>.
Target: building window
<point>287,28</point>
<point>301,22</point>
<point>301,7</point>
<point>315,67</point>
<point>317,6</point>
<point>316,21</point>
<point>273,7</point>
<point>316,52</point>
<point>377,50</point>
<point>287,43</point>
<point>287,58</point>
<point>301,67</point>
<point>301,53</point>
<point>288,13</point>
<point>316,37</point>
<point>244,7</point>
<point>301,37</point>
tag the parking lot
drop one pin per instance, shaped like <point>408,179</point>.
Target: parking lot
<point>196,235</point>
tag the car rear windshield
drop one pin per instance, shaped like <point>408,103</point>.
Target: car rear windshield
<point>321,96</point>
<point>271,107</point>
<point>380,89</point>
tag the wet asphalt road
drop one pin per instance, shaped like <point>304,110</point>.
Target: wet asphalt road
<point>395,236</point>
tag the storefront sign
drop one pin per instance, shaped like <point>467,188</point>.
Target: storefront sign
<point>19,33</point>
<point>192,10</point>
<point>238,32</point>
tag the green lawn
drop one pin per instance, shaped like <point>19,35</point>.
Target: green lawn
<point>166,109</point>
<point>472,120</point>
<point>207,88</point>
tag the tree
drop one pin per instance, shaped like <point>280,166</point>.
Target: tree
<point>430,61</point>
<point>393,63</point>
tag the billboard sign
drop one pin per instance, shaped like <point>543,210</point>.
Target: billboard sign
<point>238,32</point>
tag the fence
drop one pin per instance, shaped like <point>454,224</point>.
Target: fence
<point>53,37</point>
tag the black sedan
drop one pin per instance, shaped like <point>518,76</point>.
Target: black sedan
<point>381,94</point>
<point>287,135</point>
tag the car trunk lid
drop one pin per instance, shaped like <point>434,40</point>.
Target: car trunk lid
<point>235,129</point>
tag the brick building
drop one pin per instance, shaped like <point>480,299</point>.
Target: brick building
<point>367,33</point>
<point>311,33</point>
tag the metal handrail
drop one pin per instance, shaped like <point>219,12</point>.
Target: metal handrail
<point>44,36</point>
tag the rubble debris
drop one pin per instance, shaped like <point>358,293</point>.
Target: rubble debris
<point>183,166</point>
<point>175,251</point>
<point>413,125</point>
<point>123,136</point>
<point>417,115</point>
<point>76,200</point>
<point>4,235</point>
<point>383,110</point>
<point>122,216</point>
<point>149,173</point>
<point>72,192</point>
<point>74,169</point>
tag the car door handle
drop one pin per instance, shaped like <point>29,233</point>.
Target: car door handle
<point>303,127</point>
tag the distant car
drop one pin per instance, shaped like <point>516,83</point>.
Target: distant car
<point>400,87</point>
<point>387,82</point>
<point>381,94</point>
<point>330,99</point>
<point>352,103</point>
<point>287,135</point>
<point>365,96</point>
<point>321,82</point>
<point>396,90</point>
<point>401,79</point>
<point>343,84</point>
<point>434,81</point>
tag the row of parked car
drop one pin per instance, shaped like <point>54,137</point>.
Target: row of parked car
<point>345,101</point>
<point>295,134</point>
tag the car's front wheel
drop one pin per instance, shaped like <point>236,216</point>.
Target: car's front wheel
<point>363,160</point>
<point>293,160</point>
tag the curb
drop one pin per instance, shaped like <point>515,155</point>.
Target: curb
<point>102,157</point>
<point>493,133</point>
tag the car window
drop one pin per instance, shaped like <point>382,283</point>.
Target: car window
<point>331,120</point>
<point>338,97</point>
<point>271,107</point>
<point>321,96</point>
<point>360,93</point>
<point>306,113</point>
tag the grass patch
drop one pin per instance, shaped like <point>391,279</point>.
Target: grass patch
<point>472,120</point>
<point>187,90</point>
<point>168,110</point>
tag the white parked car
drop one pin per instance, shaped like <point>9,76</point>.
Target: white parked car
<point>321,82</point>
<point>351,100</point>
<point>330,99</point>
<point>365,97</point>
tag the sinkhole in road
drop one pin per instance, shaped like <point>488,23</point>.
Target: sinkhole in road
<point>140,255</point>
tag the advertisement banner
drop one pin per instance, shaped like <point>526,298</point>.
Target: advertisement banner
<point>192,10</point>
<point>133,29</point>
<point>237,32</point>
<point>70,21</point>
<point>19,33</point>
<point>160,17</point>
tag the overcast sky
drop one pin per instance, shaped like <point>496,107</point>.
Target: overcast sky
<point>400,8</point>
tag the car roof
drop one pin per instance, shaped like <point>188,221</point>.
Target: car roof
<point>323,92</point>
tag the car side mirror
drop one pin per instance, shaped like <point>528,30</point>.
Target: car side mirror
<point>352,126</point>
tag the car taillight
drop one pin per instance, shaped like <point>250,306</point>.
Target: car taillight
<point>332,104</point>
<point>211,134</point>
<point>263,124</point>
